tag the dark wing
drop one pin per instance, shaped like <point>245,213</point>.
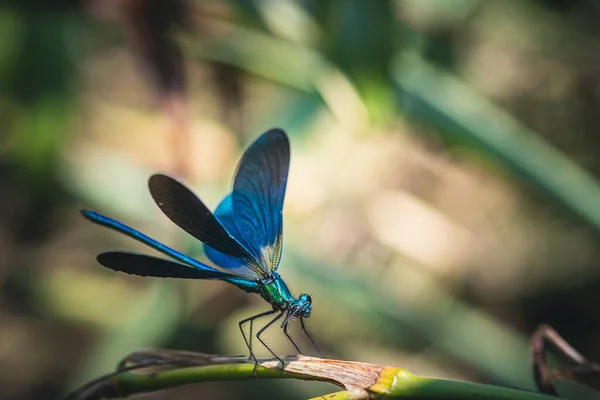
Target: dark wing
<point>224,215</point>
<point>257,196</point>
<point>143,265</point>
<point>244,273</point>
<point>190,214</point>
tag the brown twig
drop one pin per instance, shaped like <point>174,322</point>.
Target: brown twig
<point>584,371</point>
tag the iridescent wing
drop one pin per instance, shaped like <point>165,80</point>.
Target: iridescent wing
<point>186,210</point>
<point>144,265</point>
<point>257,197</point>
<point>224,215</point>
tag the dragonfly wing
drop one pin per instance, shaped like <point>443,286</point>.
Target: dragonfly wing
<point>224,215</point>
<point>186,210</point>
<point>244,273</point>
<point>257,197</point>
<point>144,265</point>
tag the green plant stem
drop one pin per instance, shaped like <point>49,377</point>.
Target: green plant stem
<point>406,385</point>
<point>360,380</point>
<point>131,383</point>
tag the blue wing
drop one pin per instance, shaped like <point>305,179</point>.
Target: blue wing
<point>257,197</point>
<point>224,215</point>
<point>186,210</point>
<point>144,265</point>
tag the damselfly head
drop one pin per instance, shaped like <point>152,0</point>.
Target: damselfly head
<point>304,305</point>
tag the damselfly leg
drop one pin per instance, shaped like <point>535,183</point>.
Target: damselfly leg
<point>248,339</point>
<point>285,331</point>
<point>260,332</point>
<point>310,337</point>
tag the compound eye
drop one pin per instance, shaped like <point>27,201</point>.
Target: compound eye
<point>308,298</point>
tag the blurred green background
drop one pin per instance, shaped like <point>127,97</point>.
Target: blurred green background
<point>442,201</point>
